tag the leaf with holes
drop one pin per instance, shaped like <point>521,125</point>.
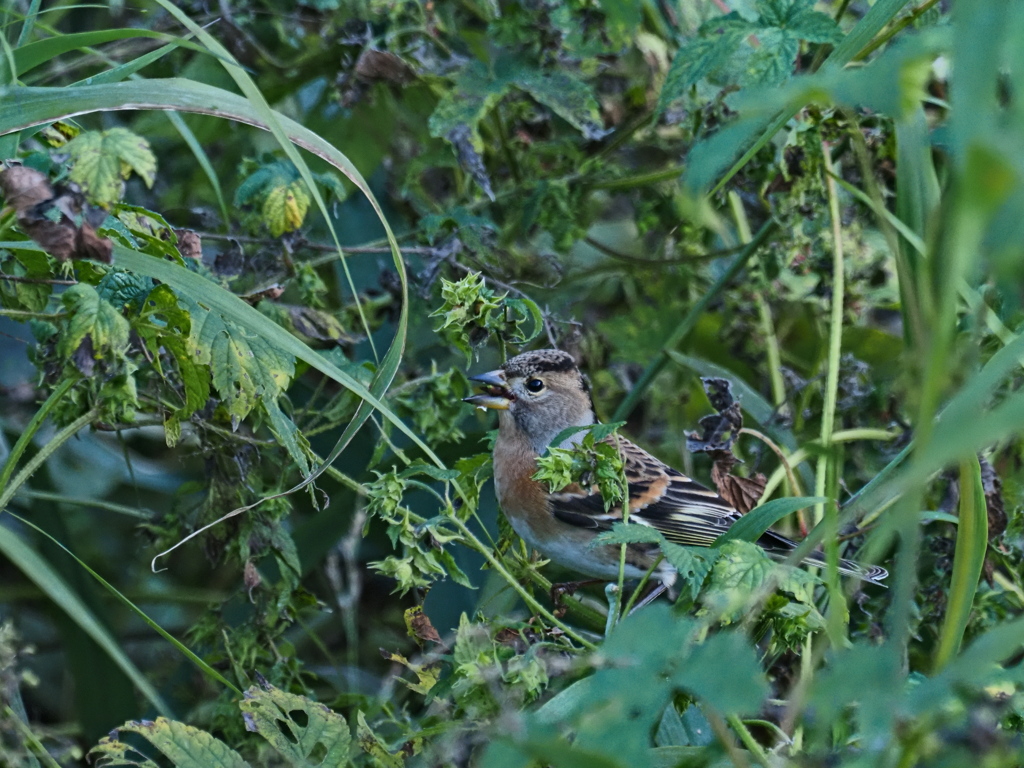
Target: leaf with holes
<point>303,731</point>
<point>183,745</point>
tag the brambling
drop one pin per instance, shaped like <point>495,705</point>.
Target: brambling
<point>540,394</point>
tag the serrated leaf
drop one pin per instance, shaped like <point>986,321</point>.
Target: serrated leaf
<point>692,563</point>
<point>270,712</point>
<point>30,296</point>
<point>92,316</point>
<point>696,60</point>
<point>102,160</point>
<point>184,745</point>
<point>628,533</point>
<point>742,566</point>
<point>288,434</point>
<point>243,365</point>
<point>284,208</point>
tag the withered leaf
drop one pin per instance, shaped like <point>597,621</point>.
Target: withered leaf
<point>56,219</point>
<point>718,430</point>
<point>418,625</point>
<point>190,245</point>
<point>383,65</point>
<point>742,493</point>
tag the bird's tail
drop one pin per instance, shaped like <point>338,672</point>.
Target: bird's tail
<point>780,546</point>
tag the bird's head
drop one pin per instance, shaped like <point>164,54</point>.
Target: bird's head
<point>537,393</point>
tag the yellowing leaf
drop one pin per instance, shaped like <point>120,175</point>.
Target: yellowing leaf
<point>102,160</point>
<point>322,739</point>
<point>93,317</point>
<point>285,208</point>
<point>183,745</point>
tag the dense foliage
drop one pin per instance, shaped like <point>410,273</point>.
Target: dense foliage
<point>245,517</point>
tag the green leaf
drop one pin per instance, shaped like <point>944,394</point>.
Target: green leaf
<point>93,317</point>
<point>757,521</point>
<point>569,98</point>
<point>102,160</point>
<point>323,738</point>
<point>184,745</point>
<point>696,60</point>
<point>968,560</point>
<point>724,672</point>
<point>245,367</point>
<point>628,533</point>
<point>692,563</point>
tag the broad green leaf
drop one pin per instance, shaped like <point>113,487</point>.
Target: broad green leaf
<point>102,160</point>
<point>271,713</point>
<point>696,60</point>
<point>245,368</point>
<point>757,521</point>
<point>724,672</point>
<point>569,98</point>
<point>93,317</point>
<point>28,57</point>
<point>184,745</point>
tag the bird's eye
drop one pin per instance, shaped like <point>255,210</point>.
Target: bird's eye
<point>534,385</point>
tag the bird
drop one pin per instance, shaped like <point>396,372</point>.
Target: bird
<point>541,393</point>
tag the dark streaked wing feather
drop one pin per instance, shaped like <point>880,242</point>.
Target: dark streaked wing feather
<point>683,510</point>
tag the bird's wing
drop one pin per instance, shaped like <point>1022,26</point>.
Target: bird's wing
<point>682,509</point>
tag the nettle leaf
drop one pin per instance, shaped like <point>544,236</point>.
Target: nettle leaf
<point>740,570</point>
<point>245,368</point>
<point>184,745</point>
<point>93,317</point>
<point>628,533</point>
<point>722,48</point>
<point>692,563</point>
<point>695,61</point>
<point>323,738</point>
<point>799,20</point>
<point>477,89</point>
<point>102,160</point>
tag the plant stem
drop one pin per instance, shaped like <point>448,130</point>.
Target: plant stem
<point>529,599</point>
<point>26,436</point>
<point>683,329</point>
<point>829,511</point>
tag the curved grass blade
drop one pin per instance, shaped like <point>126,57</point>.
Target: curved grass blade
<point>274,125</point>
<point>757,521</point>
<point>968,559</point>
<point>30,56</point>
<point>202,665</point>
<point>35,568</point>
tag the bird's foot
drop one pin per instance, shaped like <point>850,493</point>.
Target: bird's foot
<point>567,589</point>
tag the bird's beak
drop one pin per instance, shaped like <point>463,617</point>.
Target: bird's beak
<point>495,395</point>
